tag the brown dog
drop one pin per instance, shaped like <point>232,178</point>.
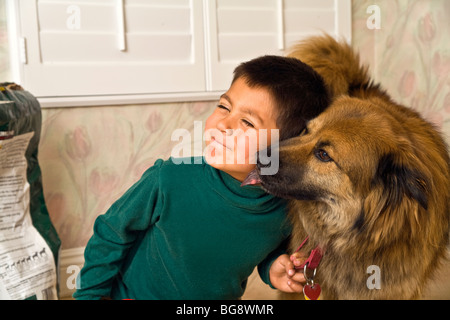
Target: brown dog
<point>369,183</point>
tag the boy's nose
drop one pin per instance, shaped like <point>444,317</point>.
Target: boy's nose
<point>225,127</point>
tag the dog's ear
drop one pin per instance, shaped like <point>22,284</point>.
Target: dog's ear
<point>399,181</point>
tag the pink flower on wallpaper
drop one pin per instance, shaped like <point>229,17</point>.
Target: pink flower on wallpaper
<point>56,205</point>
<point>434,117</point>
<point>78,144</point>
<point>154,122</point>
<point>407,84</point>
<point>103,181</point>
<point>141,167</point>
<point>198,108</point>
<point>427,28</point>
<point>441,65</point>
<point>447,103</point>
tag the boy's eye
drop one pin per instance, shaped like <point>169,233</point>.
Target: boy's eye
<point>221,106</point>
<point>247,123</point>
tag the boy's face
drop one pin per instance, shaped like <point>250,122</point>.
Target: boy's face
<point>239,126</point>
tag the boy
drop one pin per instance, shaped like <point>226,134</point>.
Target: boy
<point>190,231</point>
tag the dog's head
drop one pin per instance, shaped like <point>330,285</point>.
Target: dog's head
<point>354,160</point>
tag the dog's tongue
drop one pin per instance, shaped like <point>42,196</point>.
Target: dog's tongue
<point>252,179</point>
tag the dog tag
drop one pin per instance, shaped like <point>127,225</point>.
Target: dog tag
<point>312,292</point>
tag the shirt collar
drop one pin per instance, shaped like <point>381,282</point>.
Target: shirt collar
<point>252,198</point>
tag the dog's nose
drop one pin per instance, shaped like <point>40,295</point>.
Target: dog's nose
<point>267,155</point>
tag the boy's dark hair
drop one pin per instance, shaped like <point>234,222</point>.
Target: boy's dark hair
<point>299,92</point>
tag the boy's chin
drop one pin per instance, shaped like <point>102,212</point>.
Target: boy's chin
<point>238,171</point>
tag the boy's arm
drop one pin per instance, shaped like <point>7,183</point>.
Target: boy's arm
<point>264,266</point>
<point>114,233</point>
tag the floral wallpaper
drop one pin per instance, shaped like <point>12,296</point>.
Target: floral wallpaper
<point>4,49</point>
<point>410,53</point>
<point>90,156</point>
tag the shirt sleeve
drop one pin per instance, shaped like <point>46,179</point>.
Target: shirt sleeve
<point>114,234</point>
<point>264,266</point>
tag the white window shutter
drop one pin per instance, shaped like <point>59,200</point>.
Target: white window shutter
<point>80,48</point>
<point>240,30</point>
<point>181,48</point>
<point>304,18</point>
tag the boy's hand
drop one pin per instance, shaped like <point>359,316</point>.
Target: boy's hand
<point>283,275</point>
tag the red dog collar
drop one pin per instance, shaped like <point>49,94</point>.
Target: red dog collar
<point>314,258</point>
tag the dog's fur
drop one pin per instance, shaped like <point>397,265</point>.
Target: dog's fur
<point>369,183</point>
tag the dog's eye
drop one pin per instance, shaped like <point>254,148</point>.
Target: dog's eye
<point>323,156</point>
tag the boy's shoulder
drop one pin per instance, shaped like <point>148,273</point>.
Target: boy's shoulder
<point>176,175</point>
<point>177,167</point>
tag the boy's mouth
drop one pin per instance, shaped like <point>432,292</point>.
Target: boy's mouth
<point>213,139</point>
<point>252,179</point>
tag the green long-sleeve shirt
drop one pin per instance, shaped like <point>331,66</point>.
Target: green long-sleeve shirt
<point>185,231</point>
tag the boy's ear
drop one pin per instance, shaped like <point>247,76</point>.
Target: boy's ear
<point>399,181</point>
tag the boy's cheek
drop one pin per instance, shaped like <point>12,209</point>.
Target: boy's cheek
<point>265,138</point>
<point>207,125</point>
<point>210,122</point>
<point>245,149</point>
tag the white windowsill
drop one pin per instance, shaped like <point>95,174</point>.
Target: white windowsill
<point>132,99</point>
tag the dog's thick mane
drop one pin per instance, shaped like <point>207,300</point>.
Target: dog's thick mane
<point>401,209</point>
